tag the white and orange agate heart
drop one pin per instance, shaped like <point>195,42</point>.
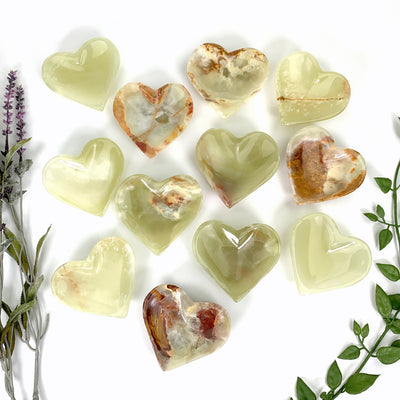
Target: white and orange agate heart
<point>153,118</point>
<point>319,170</point>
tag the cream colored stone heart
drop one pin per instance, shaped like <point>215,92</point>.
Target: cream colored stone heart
<point>236,258</point>
<point>227,80</point>
<point>158,212</point>
<point>319,170</point>
<point>101,284</point>
<point>305,93</point>
<point>324,259</point>
<point>85,76</point>
<point>153,118</point>
<point>235,167</point>
<point>86,181</point>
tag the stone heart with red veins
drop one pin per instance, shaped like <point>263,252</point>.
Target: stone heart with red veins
<point>181,330</point>
<point>153,118</point>
<point>319,170</point>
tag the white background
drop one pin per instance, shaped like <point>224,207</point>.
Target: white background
<point>276,334</point>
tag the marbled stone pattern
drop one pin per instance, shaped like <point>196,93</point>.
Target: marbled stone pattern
<point>236,259</point>
<point>305,93</point>
<point>323,259</point>
<point>85,76</point>
<point>319,170</point>
<point>181,330</point>
<point>157,212</point>
<point>235,167</point>
<point>101,284</point>
<point>86,181</point>
<point>227,80</point>
<point>153,118</point>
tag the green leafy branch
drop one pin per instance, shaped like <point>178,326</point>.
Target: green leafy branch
<point>387,305</point>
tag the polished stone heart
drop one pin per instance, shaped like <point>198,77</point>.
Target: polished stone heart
<point>101,284</point>
<point>235,167</point>
<point>323,259</point>
<point>153,118</point>
<point>319,170</point>
<point>227,80</point>
<point>181,330</point>
<point>158,212</point>
<point>88,180</point>
<point>305,93</point>
<point>236,259</point>
<point>85,76</point>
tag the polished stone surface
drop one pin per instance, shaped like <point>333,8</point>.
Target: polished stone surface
<point>181,330</point>
<point>153,118</point>
<point>227,80</point>
<point>85,76</point>
<point>101,284</point>
<point>305,93</point>
<point>235,167</point>
<point>324,259</point>
<point>319,170</point>
<point>86,181</point>
<point>236,258</point>
<point>157,212</point>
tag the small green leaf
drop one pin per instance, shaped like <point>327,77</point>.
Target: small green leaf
<point>385,184</point>
<point>390,271</point>
<point>385,237</point>
<point>371,217</point>
<point>395,301</point>
<point>383,303</point>
<point>32,291</point>
<point>350,353</point>
<point>356,328</point>
<point>359,383</point>
<point>13,150</point>
<point>365,331</point>
<point>380,211</point>
<point>395,326</point>
<point>388,355</point>
<point>39,247</point>
<point>396,343</point>
<point>16,251</point>
<point>303,391</point>
<point>334,376</point>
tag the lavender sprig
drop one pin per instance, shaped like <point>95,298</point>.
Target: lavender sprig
<point>20,117</point>
<point>8,106</point>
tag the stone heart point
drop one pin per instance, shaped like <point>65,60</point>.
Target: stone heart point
<point>181,330</point>
<point>236,259</point>
<point>319,170</point>
<point>86,181</point>
<point>85,76</point>
<point>158,212</point>
<point>323,259</point>
<point>101,284</point>
<point>305,93</point>
<point>227,80</point>
<point>235,167</point>
<point>153,118</point>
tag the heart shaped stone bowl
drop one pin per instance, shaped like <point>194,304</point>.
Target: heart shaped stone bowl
<point>85,76</point>
<point>323,259</point>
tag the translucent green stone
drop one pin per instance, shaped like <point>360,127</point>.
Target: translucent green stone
<point>101,284</point>
<point>158,212</point>
<point>86,181</point>
<point>235,167</point>
<point>236,259</point>
<point>305,93</point>
<point>324,259</point>
<point>85,76</point>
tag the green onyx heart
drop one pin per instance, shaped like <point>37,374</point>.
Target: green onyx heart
<point>85,76</point>
<point>305,93</point>
<point>88,180</point>
<point>158,212</point>
<point>324,259</point>
<point>236,259</point>
<point>101,284</point>
<point>235,167</point>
